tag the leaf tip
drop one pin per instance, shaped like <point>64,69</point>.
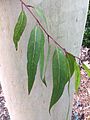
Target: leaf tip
<point>28,92</point>
<point>44,81</point>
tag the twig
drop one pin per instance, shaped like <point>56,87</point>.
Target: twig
<point>48,35</point>
<point>28,7</point>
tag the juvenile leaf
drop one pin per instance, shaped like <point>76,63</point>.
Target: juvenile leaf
<point>77,76</point>
<point>19,28</point>
<point>86,69</point>
<point>40,13</point>
<point>35,45</point>
<point>60,75</point>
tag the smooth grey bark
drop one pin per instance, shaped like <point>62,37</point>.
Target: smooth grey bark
<point>67,20</point>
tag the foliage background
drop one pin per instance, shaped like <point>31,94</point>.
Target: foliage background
<point>86,39</point>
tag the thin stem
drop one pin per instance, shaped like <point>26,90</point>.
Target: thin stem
<point>22,6</point>
<point>28,8</point>
<point>48,35</point>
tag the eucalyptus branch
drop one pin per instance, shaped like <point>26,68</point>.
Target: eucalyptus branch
<point>49,36</point>
<point>61,58</point>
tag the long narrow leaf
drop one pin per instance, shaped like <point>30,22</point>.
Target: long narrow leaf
<point>77,76</point>
<point>71,61</point>
<point>19,28</point>
<point>47,60</point>
<point>60,75</point>
<point>35,44</point>
<point>42,61</point>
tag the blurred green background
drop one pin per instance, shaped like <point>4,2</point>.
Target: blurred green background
<point>86,39</point>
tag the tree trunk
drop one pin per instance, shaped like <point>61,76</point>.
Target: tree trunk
<point>67,20</point>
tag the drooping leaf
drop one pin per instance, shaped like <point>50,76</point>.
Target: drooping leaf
<point>71,61</point>
<point>77,76</point>
<point>60,75</point>
<point>44,81</point>
<point>48,56</point>
<point>47,60</point>
<point>86,69</point>
<point>19,28</point>
<point>42,61</point>
<point>40,13</point>
<point>35,45</point>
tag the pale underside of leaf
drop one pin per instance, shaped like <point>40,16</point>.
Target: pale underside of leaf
<point>60,75</point>
<point>33,54</point>
<point>19,28</point>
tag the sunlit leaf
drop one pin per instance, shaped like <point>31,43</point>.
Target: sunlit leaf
<point>33,54</point>
<point>86,69</point>
<point>77,76</point>
<point>19,28</point>
<point>60,70</point>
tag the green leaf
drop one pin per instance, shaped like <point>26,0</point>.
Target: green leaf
<point>19,28</point>
<point>44,81</point>
<point>77,76</point>
<point>60,70</point>
<point>86,69</point>
<point>35,45</point>
<point>47,60</point>
<point>48,56</point>
<point>40,13</point>
<point>42,60</point>
<point>71,61</point>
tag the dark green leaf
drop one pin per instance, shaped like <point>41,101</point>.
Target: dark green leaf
<point>35,45</point>
<point>86,69</point>
<point>60,70</point>
<point>77,76</point>
<point>19,28</point>
<point>71,60</point>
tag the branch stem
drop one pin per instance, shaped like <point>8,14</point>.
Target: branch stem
<point>48,35</point>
